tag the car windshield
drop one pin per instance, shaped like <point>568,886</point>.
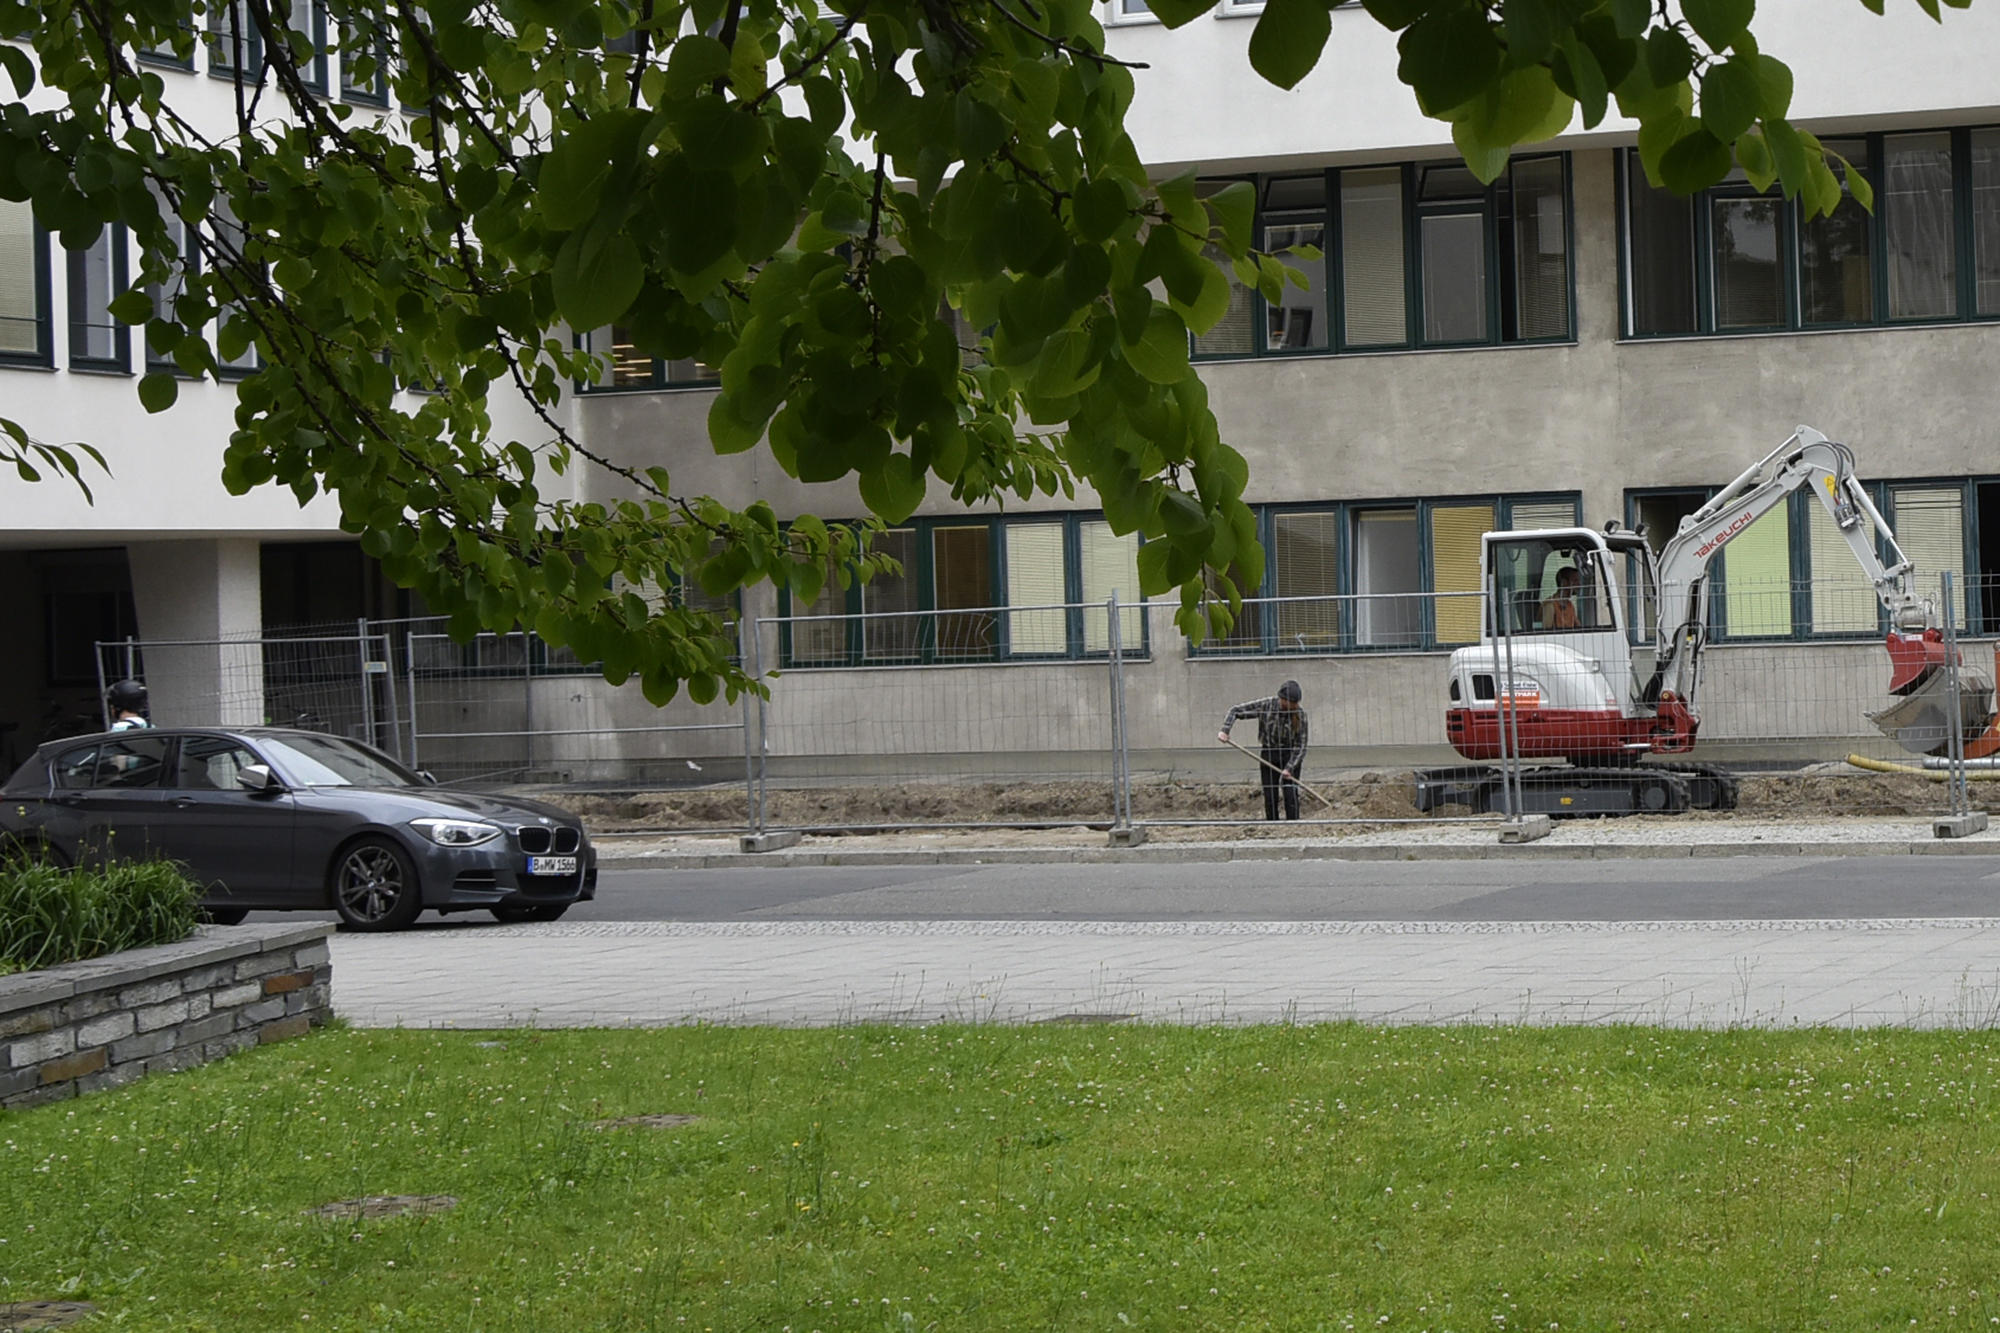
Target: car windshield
<point>329,761</point>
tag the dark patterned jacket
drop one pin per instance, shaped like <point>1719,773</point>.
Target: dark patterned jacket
<point>1281,731</point>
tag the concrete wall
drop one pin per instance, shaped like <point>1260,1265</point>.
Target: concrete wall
<point>102,1023</point>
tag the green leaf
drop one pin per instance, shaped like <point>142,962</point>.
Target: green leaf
<point>1162,354</point>
<point>1585,79</point>
<point>1669,58</point>
<point>1449,57</point>
<point>1288,40</point>
<point>1099,208</point>
<point>1695,162</point>
<point>19,68</point>
<point>697,60</point>
<point>596,278</point>
<point>1857,185</point>
<point>158,391</point>
<point>1789,152</point>
<point>1235,206</point>
<point>1774,78</point>
<point>1732,97</point>
<point>1719,22</point>
<point>894,490</point>
<point>1531,31</point>
<point>1754,156</point>
<point>1631,16</point>
<point>1178,13</point>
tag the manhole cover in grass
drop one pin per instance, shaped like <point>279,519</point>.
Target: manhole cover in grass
<point>385,1205</point>
<point>1079,1020</point>
<point>24,1316</point>
<point>673,1121</point>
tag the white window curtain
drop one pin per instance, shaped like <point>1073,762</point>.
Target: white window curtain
<point>20,293</point>
<point>1917,220</point>
<point>1110,563</point>
<point>1035,579</point>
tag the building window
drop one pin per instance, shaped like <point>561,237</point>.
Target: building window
<point>234,45</point>
<point>976,590</point>
<point>1420,255</point>
<point>24,286</point>
<point>1128,11</point>
<point>307,18</point>
<point>1340,577</point>
<point>1735,261</point>
<point>96,275</point>
<point>233,270</point>
<point>364,67</point>
<point>622,366</point>
<point>172,52</point>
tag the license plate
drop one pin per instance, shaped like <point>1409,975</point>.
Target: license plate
<point>552,865</point>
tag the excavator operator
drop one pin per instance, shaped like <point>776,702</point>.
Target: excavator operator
<point>1559,611</point>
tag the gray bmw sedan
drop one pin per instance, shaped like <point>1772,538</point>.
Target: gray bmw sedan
<point>275,818</point>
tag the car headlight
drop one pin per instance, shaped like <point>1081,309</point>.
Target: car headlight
<point>456,832</point>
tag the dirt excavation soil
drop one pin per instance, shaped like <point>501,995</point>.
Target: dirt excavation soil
<point>1367,797</point>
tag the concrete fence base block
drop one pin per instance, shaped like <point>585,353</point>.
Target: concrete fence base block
<point>1528,828</point>
<point>1128,837</point>
<point>769,842</point>
<point>1959,826</point>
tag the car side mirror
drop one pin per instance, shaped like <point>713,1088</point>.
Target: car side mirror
<point>258,778</point>
<point>428,776</point>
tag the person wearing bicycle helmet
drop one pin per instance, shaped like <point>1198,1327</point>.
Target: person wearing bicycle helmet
<point>127,702</point>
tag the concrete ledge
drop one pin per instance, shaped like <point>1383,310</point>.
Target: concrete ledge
<point>1959,826</point>
<point>1331,850</point>
<point>768,842</point>
<point>1130,836</point>
<point>1528,828</point>
<point>104,1022</point>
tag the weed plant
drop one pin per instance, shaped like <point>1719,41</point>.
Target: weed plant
<point>986,1178</point>
<point>50,915</point>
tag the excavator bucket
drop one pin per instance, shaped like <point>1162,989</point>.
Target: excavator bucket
<point>1921,718</point>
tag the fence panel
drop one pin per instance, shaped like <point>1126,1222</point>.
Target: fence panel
<point>341,684</point>
<point>958,717</point>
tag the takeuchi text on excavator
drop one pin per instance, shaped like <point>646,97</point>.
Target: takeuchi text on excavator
<point>1591,652</point>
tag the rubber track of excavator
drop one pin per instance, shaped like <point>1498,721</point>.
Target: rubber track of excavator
<point>1626,776</point>
<point>1710,786</point>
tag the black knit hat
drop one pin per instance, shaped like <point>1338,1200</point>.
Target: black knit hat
<point>1289,690</point>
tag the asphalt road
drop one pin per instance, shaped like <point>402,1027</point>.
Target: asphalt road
<point>1706,889</point>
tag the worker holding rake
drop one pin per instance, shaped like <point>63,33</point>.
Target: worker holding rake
<point>1281,736</point>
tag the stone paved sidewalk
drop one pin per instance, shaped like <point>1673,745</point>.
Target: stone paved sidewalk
<point>1925,973</point>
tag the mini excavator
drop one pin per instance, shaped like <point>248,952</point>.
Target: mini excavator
<point>1591,652</point>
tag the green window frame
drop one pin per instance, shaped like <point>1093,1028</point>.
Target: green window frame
<point>948,629</point>
<point>1854,270</point>
<point>1522,262</point>
<point>1316,544</point>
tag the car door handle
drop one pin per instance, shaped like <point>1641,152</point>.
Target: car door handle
<point>68,800</point>
<point>184,802</point>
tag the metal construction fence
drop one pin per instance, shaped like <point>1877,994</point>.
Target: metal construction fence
<point>1099,713</point>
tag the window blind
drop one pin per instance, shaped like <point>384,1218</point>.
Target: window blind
<point>1305,550</point>
<point>1388,577</point>
<point>1917,221</point>
<point>1035,578</point>
<point>1111,564</point>
<point>1541,249</point>
<point>1371,257</point>
<point>1757,576</point>
<point>1526,517</point>
<point>883,635</point>
<point>1455,534</point>
<point>1930,527</point>
<point>1749,286</point>
<point>1986,220</point>
<point>1843,598</point>
<point>20,264</point>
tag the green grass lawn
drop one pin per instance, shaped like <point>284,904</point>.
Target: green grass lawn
<point>978,1178</point>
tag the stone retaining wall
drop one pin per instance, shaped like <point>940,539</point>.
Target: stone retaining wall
<point>106,1021</point>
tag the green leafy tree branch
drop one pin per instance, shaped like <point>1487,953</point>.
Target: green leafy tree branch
<point>815,202</point>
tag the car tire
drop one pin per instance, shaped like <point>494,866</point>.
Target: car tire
<point>519,912</point>
<point>224,916</point>
<point>374,886</point>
